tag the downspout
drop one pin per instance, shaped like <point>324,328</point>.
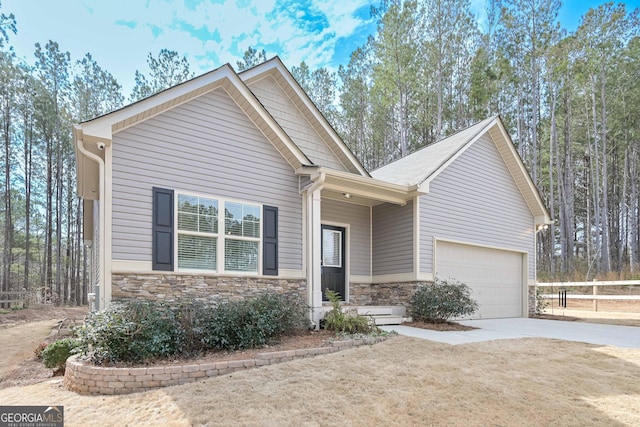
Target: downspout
<point>101,258</point>
<point>312,263</point>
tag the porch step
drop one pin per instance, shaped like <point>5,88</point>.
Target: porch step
<point>390,320</point>
<point>381,310</point>
<point>384,315</point>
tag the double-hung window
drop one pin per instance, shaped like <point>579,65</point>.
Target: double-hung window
<point>197,232</point>
<point>242,237</point>
<point>209,241</point>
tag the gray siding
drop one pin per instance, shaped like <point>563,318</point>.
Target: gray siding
<point>392,239</point>
<point>294,123</point>
<point>475,200</point>
<point>358,217</point>
<point>206,146</point>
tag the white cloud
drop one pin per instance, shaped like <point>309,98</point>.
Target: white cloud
<point>82,26</point>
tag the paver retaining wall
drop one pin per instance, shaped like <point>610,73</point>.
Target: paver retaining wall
<point>84,378</point>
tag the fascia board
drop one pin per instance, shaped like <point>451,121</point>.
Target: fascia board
<point>542,216</point>
<point>276,65</point>
<point>102,128</point>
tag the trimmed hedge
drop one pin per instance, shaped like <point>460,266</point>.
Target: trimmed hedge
<point>136,331</point>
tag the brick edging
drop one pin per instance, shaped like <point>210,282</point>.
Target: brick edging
<point>88,379</point>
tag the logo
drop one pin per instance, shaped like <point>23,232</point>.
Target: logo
<point>31,416</point>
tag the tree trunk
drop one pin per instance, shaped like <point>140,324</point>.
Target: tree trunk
<point>8,223</point>
<point>604,212</point>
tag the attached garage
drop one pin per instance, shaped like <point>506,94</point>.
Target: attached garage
<point>494,276</point>
<point>475,219</point>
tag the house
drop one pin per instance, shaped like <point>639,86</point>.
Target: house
<point>231,184</point>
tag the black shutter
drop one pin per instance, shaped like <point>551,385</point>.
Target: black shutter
<point>162,229</point>
<point>270,241</point>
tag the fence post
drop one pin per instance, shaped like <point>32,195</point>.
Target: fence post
<point>595,300</point>
<point>562,298</point>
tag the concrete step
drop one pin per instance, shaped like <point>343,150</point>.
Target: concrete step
<point>380,310</point>
<point>390,320</point>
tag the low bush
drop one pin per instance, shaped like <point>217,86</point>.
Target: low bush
<point>541,303</point>
<point>130,331</point>
<point>442,301</point>
<point>133,332</point>
<point>39,349</point>
<point>255,322</point>
<point>339,321</point>
<point>55,355</point>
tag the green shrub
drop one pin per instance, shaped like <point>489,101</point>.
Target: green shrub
<point>56,354</point>
<point>339,321</point>
<point>541,303</point>
<point>441,301</point>
<point>133,332</point>
<point>255,322</point>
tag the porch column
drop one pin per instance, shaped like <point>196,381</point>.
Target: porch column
<point>316,255</point>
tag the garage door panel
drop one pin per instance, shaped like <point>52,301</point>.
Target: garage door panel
<point>494,276</point>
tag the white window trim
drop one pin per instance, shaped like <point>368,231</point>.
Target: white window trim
<point>221,236</point>
<point>340,247</point>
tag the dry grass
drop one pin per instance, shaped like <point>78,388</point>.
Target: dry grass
<point>402,381</point>
<point>16,317</point>
<point>19,342</point>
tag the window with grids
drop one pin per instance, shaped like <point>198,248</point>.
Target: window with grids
<point>241,237</point>
<point>197,232</point>
<point>202,234</point>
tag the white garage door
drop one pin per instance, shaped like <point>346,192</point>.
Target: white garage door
<point>494,276</point>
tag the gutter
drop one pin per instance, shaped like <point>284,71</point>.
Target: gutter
<point>102,210</point>
<point>318,183</point>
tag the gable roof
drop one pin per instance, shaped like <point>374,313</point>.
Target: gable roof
<point>100,130</point>
<point>423,166</point>
<point>276,69</point>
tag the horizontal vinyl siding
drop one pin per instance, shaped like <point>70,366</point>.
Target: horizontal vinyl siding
<point>475,200</point>
<point>357,216</point>
<point>294,123</point>
<point>207,146</point>
<point>392,239</point>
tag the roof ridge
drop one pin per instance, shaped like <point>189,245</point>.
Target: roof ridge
<point>433,144</point>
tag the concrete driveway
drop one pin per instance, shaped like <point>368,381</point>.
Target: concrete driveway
<point>497,329</point>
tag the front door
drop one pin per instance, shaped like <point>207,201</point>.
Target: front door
<point>333,260</point>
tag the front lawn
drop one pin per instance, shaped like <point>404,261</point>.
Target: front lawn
<point>403,382</point>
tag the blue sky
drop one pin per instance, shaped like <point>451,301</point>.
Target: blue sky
<point>120,33</point>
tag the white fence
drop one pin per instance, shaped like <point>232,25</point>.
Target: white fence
<point>595,296</point>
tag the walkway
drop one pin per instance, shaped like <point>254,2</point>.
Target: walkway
<point>496,329</point>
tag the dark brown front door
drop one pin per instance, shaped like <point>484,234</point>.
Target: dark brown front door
<point>333,260</point>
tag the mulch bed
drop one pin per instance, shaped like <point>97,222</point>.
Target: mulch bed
<point>555,317</point>
<point>445,326</point>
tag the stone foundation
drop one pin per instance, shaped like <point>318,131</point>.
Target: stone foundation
<point>383,293</point>
<point>532,300</point>
<point>210,289</point>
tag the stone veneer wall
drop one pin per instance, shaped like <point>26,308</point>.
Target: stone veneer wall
<point>173,286</point>
<point>532,300</point>
<point>84,378</point>
<point>383,293</point>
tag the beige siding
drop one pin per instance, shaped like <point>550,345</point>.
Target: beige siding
<point>294,123</point>
<point>392,239</point>
<point>475,200</point>
<point>358,218</point>
<point>205,146</point>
